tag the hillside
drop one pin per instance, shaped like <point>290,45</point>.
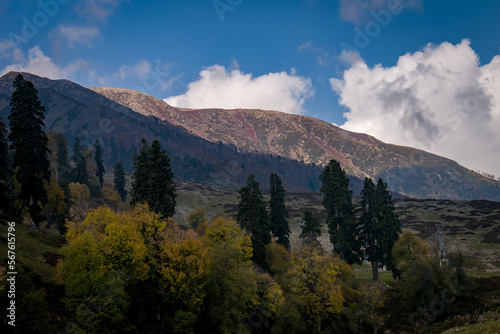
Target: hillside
<point>79,112</point>
<point>408,171</point>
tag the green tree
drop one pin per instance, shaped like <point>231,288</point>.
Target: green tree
<point>278,213</point>
<point>80,161</point>
<point>311,229</point>
<point>119,180</point>
<point>153,179</point>
<point>5,169</point>
<point>337,200</point>
<point>98,160</point>
<point>380,226</point>
<point>253,217</point>
<point>30,145</point>
<point>63,165</point>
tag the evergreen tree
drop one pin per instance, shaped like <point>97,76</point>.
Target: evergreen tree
<point>63,165</point>
<point>119,180</point>
<point>278,212</point>
<point>98,160</point>
<point>80,161</point>
<point>5,169</point>
<point>380,226</point>
<point>30,145</point>
<point>337,200</point>
<point>153,179</point>
<point>311,229</point>
<point>253,217</point>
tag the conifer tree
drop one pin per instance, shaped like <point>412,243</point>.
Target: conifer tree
<point>337,200</point>
<point>380,226</point>
<point>63,165</point>
<point>311,229</point>
<point>98,160</point>
<point>5,169</point>
<point>81,175</point>
<point>30,145</point>
<point>253,217</point>
<point>278,212</point>
<point>119,180</point>
<point>153,179</point>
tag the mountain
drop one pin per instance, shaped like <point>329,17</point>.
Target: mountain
<point>79,112</point>
<point>408,171</point>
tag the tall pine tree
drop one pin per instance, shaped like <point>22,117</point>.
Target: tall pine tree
<point>311,229</point>
<point>81,175</point>
<point>380,226</point>
<point>5,170</point>
<point>278,212</point>
<point>337,200</point>
<point>63,165</point>
<point>119,180</point>
<point>153,179</point>
<point>98,160</point>
<point>30,145</point>
<point>253,217</point>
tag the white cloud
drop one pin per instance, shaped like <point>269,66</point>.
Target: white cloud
<point>38,63</point>
<point>358,11</point>
<point>72,34</point>
<point>97,10</point>
<point>439,99</point>
<point>221,88</point>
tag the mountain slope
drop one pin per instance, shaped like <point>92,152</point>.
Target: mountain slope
<point>409,171</point>
<point>79,112</point>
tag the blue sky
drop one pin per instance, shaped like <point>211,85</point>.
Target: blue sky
<point>327,59</point>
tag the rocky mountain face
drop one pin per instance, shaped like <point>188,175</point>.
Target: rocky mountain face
<point>79,112</point>
<point>408,171</point>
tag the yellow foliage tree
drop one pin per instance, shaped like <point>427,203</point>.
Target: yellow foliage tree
<point>79,196</point>
<point>111,196</point>
<point>316,280</point>
<point>184,268</point>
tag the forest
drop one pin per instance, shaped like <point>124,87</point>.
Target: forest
<point>99,252</point>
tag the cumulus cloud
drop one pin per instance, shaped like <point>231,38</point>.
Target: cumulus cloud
<point>440,99</point>
<point>73,34</point>
<point>221,88</point>
<point>38,63</point>
<point>359,11</point>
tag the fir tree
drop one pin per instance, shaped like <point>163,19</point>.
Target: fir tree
<point>337,200</point>
<point>98,160</point>
<point>253,217</point>
<point>153,179</point>
<point>30,145</point>
<point>311,229</point>
<point>63,165</point>
<point>5,169</point>
<point>278,212</point>
<point>81,175</point>
<point>380,226</point>
<point>119,180</point>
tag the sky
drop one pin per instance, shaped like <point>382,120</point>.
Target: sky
<point>420,73</point>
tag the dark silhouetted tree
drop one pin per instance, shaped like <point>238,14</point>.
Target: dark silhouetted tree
<point>380,226</point>
<point>253,217</point>
<point>98,160</point>
<point>311,229</point>
<point>5,170</point>
<point>119,180</point>
<point>80,161</point>
<point>30,145</point>
<point>278,212</point>
<point>153,179</point>
<point>337,200</point>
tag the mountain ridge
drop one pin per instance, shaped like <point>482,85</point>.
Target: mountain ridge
<point>409,171</point>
